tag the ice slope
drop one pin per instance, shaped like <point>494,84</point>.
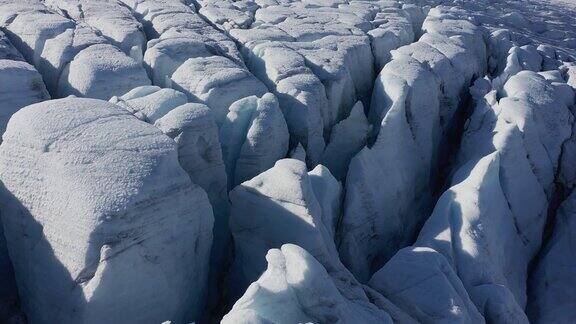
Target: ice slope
<point>552,283</point>
<point>72,58</point>
<point>390,185</point>
<point>100,217</point>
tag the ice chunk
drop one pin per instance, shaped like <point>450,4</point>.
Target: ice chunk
<point>101,71</point>
<point>133,208</point>
<point>193,128</point>
<point>296,288</point>
<point>254,136</point>
<point>22,85</point>
<point>348,137</point>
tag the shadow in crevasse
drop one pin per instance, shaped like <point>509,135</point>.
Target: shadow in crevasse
<point>48,293</point>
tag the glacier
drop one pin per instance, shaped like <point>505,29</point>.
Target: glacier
<point>283,161</point>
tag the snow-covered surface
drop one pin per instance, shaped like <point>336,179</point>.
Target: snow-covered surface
<point>354,161</point>
<point>72,58</point>
<point>100,217</point>
<point>110,17</point>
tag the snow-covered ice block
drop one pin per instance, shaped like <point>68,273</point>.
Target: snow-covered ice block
<point>253,136</point>
<point>21,86</point>
<point>287,204</point>
<point>101,71</point>
<point>110,17</point>
<point>134,245</point>
<point>193,128</point>
<point>296,288</point>
<point>150,103</point>
<point>552,297</point>
<point>300,94</point>
<point>216,81</point>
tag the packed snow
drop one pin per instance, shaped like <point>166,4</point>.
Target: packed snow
<point>287,161</point>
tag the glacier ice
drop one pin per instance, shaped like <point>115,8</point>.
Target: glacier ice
<point>133,208</point>
<point>193,128</point>
<point>552,287</point>
<point>22,85</point>
<point>296,288</point>
<point>390,185</point>
<point>110,17</point>
<point>406,161</point>
<point>253,136</point>
<point>72,58</point>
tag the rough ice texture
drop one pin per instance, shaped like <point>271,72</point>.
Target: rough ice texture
<point>186,53</point>
<point>390,186</point>
<point>193,128</point>
<point>489,225</point>
<point>318,57</point>
<point>110,17</point>
<point>348,137</point>
<point>296,288</point>
<point>254,136</point>
<point>287,204</point>
<point>21,86</point>
<point>91,194</point>
<point>423,283</point>
<point>72,58</point>
<point>553,285</point>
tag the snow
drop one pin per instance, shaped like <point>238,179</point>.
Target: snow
<point>134,208</point>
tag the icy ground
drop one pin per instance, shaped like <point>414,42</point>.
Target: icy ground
<point>287,161</point>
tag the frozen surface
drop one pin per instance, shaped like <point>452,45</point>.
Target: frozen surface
<point>134,208</point>
<point>72,58</point>
<point>552,284</point>
<point>110,17</point>
<point>354,161</point>
<point>390,185</point>
<point>296,288</point>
